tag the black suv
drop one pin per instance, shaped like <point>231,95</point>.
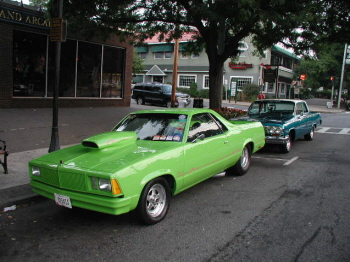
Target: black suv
<point>157,93</point>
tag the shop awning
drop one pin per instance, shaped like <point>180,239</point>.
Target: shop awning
<point>142,49</point>
<point>162,48</point>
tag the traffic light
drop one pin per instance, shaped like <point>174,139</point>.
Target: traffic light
<point>302,77</point>
<point>332,78</point>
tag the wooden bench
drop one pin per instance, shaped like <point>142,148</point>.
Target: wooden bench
<point>5,153</point>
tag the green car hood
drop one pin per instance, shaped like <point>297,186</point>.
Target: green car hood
<point>106,152</point>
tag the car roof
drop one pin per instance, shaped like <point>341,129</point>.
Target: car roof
<point>281,100</point>
<point>152,83</point>
<point>187,111</point>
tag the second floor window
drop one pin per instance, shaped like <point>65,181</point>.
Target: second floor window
<point>158,55</point>
<point>168,55</point>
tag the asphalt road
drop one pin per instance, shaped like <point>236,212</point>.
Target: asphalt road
<point>288,207</point>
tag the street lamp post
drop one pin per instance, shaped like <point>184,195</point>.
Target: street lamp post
<point>55,144</point>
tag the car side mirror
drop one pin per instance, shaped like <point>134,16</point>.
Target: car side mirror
<point>200,137</point>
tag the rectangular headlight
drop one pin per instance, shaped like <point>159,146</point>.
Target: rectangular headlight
<point>105,184</point>
<point>36,171</point>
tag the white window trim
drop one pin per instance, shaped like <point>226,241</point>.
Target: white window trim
<point>178,79</point>
<point>204,87</point>
<point>235,77</point>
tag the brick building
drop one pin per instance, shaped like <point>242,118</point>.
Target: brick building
<point>92,72</point>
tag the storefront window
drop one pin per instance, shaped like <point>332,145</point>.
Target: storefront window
<point>89,70</point>
<point>81,74</point>
<point>112,77</point>
<point>67,68</point>
<point>29,65</point>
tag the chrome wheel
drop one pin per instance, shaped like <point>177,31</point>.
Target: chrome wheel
<point>242,166</point>
<point>245,158</point>
<point>140,101</point>
<point>156,200</point>
<point>310,136</point>
<point>285,148</point>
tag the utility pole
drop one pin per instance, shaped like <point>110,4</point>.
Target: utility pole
<point>174,86</point>
<point>342,75</point>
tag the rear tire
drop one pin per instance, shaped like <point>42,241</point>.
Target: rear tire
<point>242,166</point>
<point>310,136</point>
<point>154,201</point>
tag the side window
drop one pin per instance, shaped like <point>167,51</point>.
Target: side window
<point>299,108</point>
<point>221,125</point>
<point>305,109</point>
<point>138,87</point>
<point>203,124</point>
<point>156,89</point>
<point>147,88</point>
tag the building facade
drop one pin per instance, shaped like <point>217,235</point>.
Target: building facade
<point>273,72</point>
<point>92,72</point>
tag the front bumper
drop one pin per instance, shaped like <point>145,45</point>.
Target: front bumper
<point>104,204</point>
<point>183,101</point>
<point>277,140</point>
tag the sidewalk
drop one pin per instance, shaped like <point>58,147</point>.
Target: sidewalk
<point>14,186</point>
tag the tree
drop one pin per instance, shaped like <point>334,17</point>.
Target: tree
<point>137,66</point>
<point>219,25</point>
<point>326,61</point>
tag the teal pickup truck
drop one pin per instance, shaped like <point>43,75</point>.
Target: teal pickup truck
<point>285,120</point>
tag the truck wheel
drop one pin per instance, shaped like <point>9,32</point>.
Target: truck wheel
<point>168,104</point>
<point>242,166</point>
<point>310,135</point>
<point>285,148</point>
<point>140,100</point>
<point>154,201</point>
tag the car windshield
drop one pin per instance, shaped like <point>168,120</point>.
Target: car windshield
<point>156,127</point>
<point>271,108</point>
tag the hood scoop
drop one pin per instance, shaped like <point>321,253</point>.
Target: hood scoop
<point>110,139</point>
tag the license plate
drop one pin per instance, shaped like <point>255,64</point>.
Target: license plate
<point>63,201</point>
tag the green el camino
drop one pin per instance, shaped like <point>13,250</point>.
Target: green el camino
<point>148,157</point>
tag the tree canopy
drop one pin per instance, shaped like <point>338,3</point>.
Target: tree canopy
<point>326,62</point>
<point>220,25</point>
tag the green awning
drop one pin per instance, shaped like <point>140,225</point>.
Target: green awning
<point>142,49</point>
<point>162,48</point>
<point>182,47</point>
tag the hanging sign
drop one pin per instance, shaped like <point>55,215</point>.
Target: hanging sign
<point>58,30</point>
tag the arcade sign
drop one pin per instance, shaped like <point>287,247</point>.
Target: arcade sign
<point>21,17</point>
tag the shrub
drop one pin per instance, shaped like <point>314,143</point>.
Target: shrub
<point>193,90</point>
<point>250,92</point>
<point>204,93</point>
<point>229,113</point>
